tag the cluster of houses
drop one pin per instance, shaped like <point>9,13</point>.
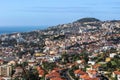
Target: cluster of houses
<point>20,48</point>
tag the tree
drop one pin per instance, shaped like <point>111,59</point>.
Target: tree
<point>49,66</point>
<point>33,75</point>
<point>88,20</point>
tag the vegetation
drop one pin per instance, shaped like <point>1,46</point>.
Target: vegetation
<point>71,71</point>
<point>49,66</point>
<point>88,20</point>
<point>33,75</point>
<point>71,58</point>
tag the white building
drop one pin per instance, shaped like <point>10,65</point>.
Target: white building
<point>5,70</point>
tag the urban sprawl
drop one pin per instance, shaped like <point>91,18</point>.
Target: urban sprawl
<point>87,49</point>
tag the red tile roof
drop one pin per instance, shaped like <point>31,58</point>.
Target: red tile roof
<point>57,69</point>
<point>117,72</point>
<point>93,79</point>
<point>56,78</point>
<point>79,72</point>
<point>40,71</point>
<point>96,66</point>
<point>1,78</point>
<point>85,76</point>
<point>1,60</point>
<point>92,71</point>
<point>53,74</point>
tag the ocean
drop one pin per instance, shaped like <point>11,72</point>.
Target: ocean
<point>8,30</point>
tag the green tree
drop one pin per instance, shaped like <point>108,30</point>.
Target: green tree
<point>49,66</point>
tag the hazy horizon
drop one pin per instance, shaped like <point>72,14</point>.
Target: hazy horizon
<point>50,13</point>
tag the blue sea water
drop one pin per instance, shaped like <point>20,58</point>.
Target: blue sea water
<point>8,30</point>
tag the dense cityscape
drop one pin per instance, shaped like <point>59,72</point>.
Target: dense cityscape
<point>87,49</point>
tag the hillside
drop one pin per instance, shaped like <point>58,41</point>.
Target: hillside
<point>85,25</point>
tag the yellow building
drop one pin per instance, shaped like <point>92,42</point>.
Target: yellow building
<point>39,54</point>
<point>108,59</point>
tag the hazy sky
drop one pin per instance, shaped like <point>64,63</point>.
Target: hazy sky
<point>52,12</point>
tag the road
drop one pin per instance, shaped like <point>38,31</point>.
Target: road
<point>66,74</point>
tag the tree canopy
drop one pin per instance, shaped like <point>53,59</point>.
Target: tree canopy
<point>88,20</point>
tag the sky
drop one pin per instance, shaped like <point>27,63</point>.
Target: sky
<point>54,12</point>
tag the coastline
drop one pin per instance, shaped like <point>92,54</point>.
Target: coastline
<point>15,29</point>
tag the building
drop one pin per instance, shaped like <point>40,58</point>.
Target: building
<point>116,74</point>
<point>79,72</point>
<point>5,70</point>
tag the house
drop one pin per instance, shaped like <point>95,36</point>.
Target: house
<point>93,79</point>
<point>96,66</point>
<point>56,78</point>
<point>112,55</point>
<point>18,72</point>
<point>6,78</point>
<point>84,77</point>
<point>1,61</point>
<point>54,58</point>
<point>81,66</point>
<point>12,63</point>
<point>40,71</point>
<point>1,78</point>
<point>53,52</point>
<point>80,61</point>
<point>92,73</point>
<point>18,69</point>
<point>52,74</point>
<point>116,74</point>
<point>91,62</point>
<point>58,69</point>
<point>32,63</point>
<point>39,54</point>
<point>87,77</point>
<point>20,61</point>
<point>79,72</point>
